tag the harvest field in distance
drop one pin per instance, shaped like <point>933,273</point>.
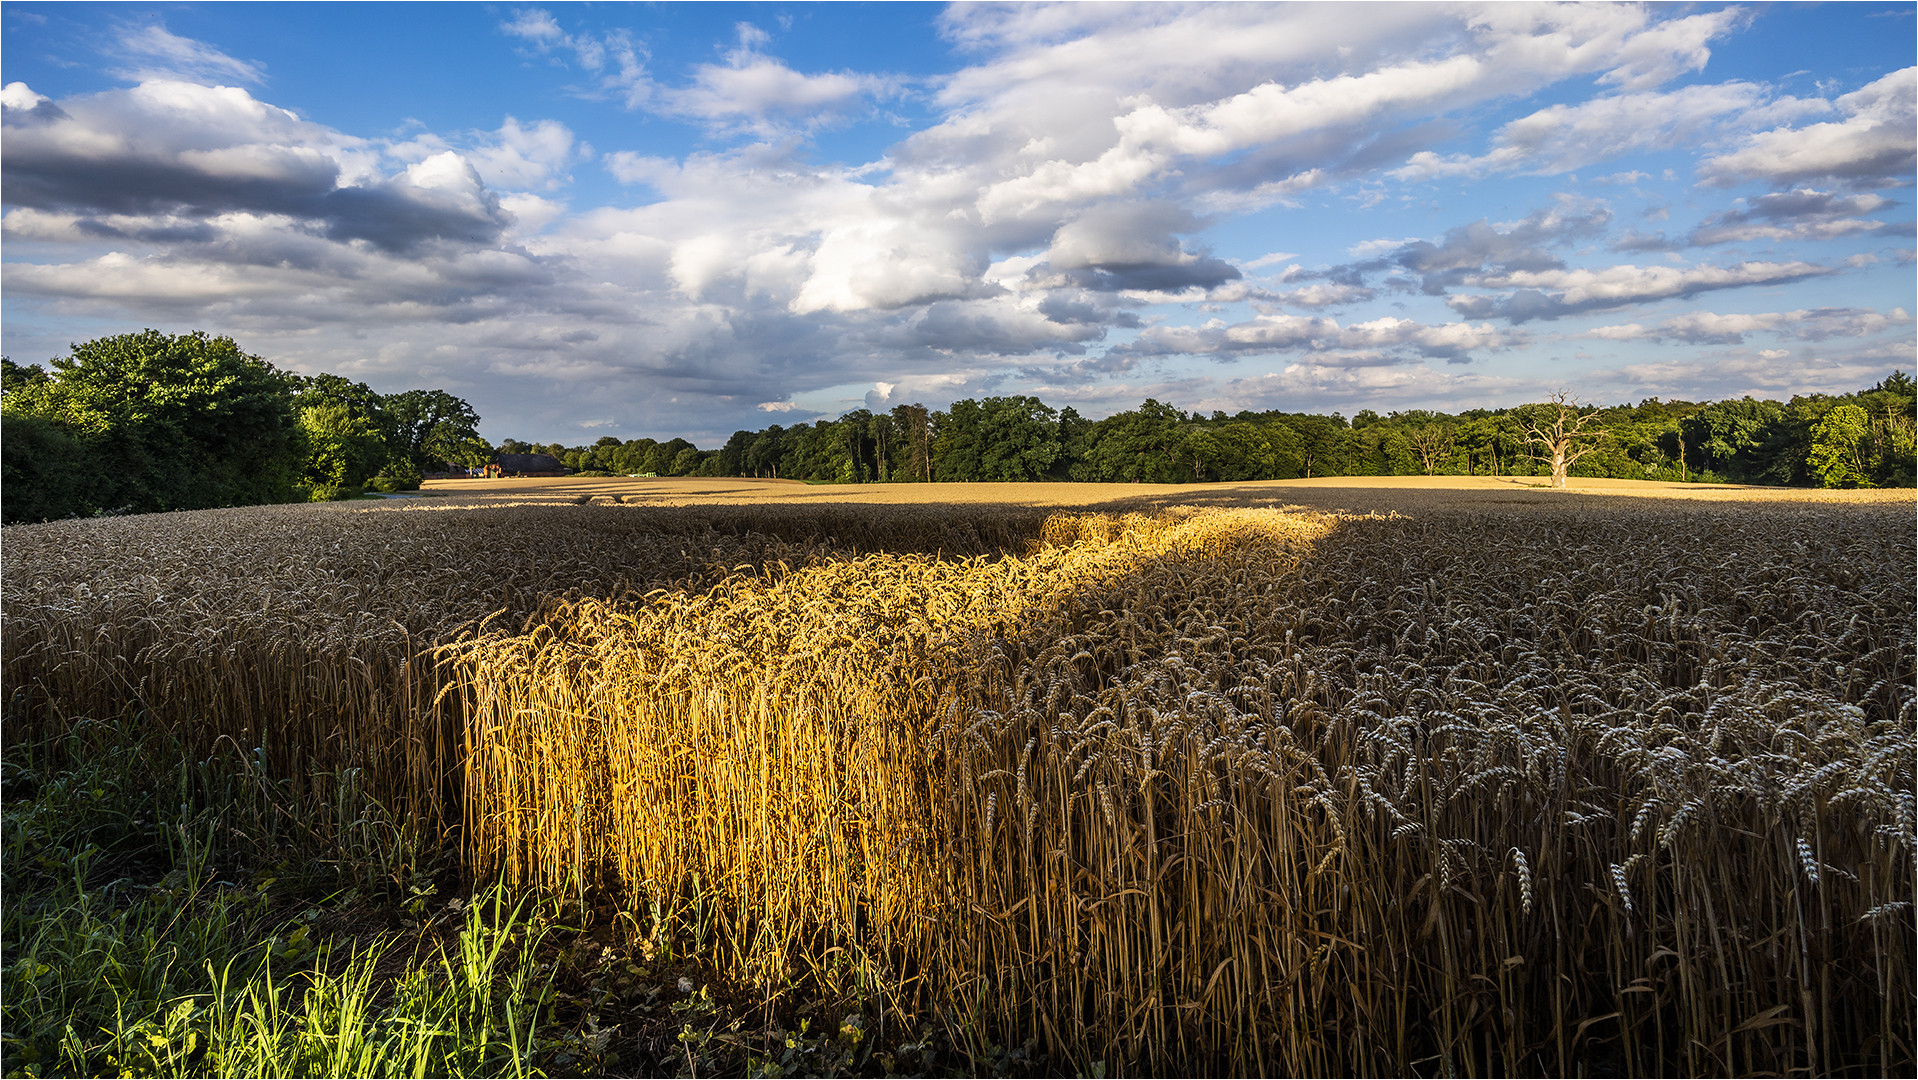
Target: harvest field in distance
<point>1300,777</point>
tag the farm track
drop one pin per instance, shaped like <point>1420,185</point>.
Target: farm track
<point>1482,787</point>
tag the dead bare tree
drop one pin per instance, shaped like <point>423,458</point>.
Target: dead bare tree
<point>1556,432</point>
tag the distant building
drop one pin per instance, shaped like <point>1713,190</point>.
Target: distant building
<point>530,465</point>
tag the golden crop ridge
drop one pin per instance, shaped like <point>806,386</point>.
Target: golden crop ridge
<point>302,638</point>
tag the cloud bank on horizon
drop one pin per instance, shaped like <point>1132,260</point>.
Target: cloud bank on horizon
<point>733,217</point>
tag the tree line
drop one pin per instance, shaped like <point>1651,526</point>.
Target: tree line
<point>1849,440</point>
<point>153,421</point>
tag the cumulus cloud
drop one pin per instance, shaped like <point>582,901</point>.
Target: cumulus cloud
<point>1873,146</point>
<point>1131,246</point>
<point>516,157</point>
<point>1386,340</point>
<point>1563,137</point>
<point>190,150</point>
<point>1711,328</point>
<point>1552,294</point>
<point>761,93</point>
<point>1804,214</point>
<point>1338,87</point>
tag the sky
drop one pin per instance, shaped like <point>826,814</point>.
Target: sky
<point>683,220</point>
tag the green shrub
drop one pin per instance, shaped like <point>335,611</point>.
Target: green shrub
<point>399,474</point>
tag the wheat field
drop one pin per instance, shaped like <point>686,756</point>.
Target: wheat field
<point>1479,782</point>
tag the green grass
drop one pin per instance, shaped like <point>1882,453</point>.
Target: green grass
<point>161,919</point>
<point>139,942</point>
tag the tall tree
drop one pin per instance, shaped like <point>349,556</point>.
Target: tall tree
<point>433,426</point>
<point>1430,439</point>
<point>1142,445</point>
<point>916,433</point>
<point>1728,436</point>
<point>1018,438</point>
<point>343,449</point>
<point>1837,447</point>
<point>175,422</point>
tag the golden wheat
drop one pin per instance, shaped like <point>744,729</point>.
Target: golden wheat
<point>1591,784</point>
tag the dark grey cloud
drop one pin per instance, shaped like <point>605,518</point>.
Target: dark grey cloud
<point>1801,214</point>
<point>1481,246</point>
<point>1637,242</point>
<point>131,153</point>
<point>1116,247</point>
<point>1435,268</point>
<point>961,327</point>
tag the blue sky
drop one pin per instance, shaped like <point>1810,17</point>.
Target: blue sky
<point>687,219</point>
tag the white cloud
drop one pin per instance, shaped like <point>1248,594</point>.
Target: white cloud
<point>1385,340</point>
<point>615,61</point>
<point>1551,294</point>
<point>1271,258</point>
<point>1767,373</point>
<point>1327,294</point>
<point>761,93</point>
<point>18,95</point>
<point>1875,144</point>
<point>536,25</point>
<point>156,53</point>
<point>1711,328</point>
<point>750,92</point>
<point>525,157</point>
<point>1566,137</point>
<point>1804,214</point>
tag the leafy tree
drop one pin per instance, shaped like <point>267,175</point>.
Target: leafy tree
<point>1836,447</point>
<point>343,449</point>
<point>1429,438</point>
<point>1492,442</point>
<point>167,422</point>
<point>47,470</point>
<point>686,462</point>
<point>956,452</point>
<point>1251,447</point>
<point>1143,445</point>
<point>1019,438</point>
<point>915,434</point>
<point>1728,435</point>
<point>21,376</point>
<point>1893,405</point>
<point>431,428</point>
<point>765,451</point>
<point>349,434</point>
<point>1322,443</point>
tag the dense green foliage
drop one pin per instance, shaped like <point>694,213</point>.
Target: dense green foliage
<point>148,421</point>
<point>1862,439</point>
<point>153,421</point>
